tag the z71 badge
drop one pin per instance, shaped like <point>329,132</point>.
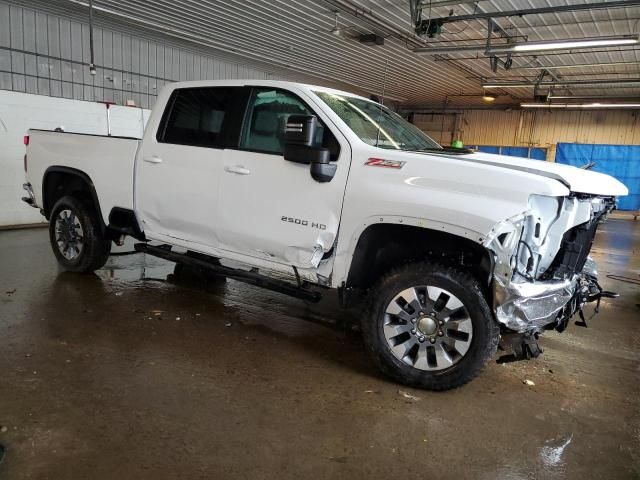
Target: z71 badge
<point>304,223</point>
<point>381,162</point>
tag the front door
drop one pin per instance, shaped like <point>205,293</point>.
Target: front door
<point>179,169</point>
<point>270,208</point>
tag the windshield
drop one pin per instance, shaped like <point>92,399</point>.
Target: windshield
<point>377,125</point>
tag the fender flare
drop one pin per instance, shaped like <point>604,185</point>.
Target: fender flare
<point>423,223</point>
<point>46,207</point>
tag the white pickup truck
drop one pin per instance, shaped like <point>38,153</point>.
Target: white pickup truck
<point>301,189</point>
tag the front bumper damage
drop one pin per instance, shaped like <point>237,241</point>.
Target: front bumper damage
<point>531,307</point>
<point>534,289</point>
<point>525,307</point>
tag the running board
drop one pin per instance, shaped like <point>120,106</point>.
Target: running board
<point>252,278</point>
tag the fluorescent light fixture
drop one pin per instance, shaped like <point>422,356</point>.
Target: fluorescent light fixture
<point>508,85</point>
<point>558,83</point>
<point>580,105</point>
<point>568,44</point>
<point>572,44</point>
<point>593,98</point>
<point>575,65</point>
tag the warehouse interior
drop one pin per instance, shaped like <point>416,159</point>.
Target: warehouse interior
<point>140,371</point>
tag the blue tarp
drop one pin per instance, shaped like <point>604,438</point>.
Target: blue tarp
<point>488,149</point>
<point>536,153</point>
<point>619,161</point>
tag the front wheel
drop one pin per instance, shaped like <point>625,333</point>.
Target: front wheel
<point>429,326</point>
<point>75,236</point>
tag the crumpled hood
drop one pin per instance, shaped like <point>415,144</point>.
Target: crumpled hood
<point>576,179</point>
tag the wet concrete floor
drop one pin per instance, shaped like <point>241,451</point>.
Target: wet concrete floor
<point>133,374</point>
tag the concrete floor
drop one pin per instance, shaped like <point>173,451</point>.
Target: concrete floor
<point>126,374</point>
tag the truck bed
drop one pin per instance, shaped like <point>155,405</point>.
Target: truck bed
<point>107,160</point>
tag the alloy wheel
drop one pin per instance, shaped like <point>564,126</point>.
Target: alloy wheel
<point>428,328</point>
<point>69,234</point>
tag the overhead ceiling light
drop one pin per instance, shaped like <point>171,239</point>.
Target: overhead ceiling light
<point>575,65</point>
<point>593,98</point>
<point>508,85</point>
<point>569,44</point>
<point>557,83</point>
<point>580,105</point>
<point>580,43</point>
<point>489,97</point>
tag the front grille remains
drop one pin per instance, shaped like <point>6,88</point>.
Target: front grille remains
<point>576,245</point>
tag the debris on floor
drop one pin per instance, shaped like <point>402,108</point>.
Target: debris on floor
<point>9,292</point>
<point>528,382</point>
<point>3,429</point>
<point>228,324</point>
<point>408,396</point>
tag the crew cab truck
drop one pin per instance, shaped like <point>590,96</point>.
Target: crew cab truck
<point>302,189</point>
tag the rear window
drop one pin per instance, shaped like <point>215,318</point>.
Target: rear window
<point>196,117</point>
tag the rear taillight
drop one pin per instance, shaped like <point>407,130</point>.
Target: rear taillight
<point>25,162</point>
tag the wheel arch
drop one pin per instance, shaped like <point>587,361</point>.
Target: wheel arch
<point>383,246</point>
<point>59,181</point>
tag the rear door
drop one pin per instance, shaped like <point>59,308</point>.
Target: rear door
<point>270,208</point>
<point>179,168</point>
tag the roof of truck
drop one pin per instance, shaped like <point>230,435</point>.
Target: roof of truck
<point>261,83</point>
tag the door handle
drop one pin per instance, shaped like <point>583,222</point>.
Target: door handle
<point>239,169</point>
<point>152,159</point>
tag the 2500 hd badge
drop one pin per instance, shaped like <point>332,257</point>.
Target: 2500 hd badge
<point>304,223</point>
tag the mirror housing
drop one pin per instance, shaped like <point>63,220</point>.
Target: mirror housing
<point>303,130</point>
<point>303,144</point>
<point>323,171</point>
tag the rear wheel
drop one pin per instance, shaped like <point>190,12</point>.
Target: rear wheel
<point>430,327</point>
<point>75,236</point>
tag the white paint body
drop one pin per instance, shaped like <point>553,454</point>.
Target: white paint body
<point>231,203</point>
<point>20,112</point>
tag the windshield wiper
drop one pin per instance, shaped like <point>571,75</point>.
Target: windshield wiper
<point>451,150</point>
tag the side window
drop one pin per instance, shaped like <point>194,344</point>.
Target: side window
<point>266,117</point>
<point>196,117</point>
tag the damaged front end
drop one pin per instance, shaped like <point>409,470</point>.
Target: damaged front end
<point>543,274</point>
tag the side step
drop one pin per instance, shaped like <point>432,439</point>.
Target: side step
<point>252,278</point>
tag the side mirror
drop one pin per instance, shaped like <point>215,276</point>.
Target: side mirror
<point>303,144</point>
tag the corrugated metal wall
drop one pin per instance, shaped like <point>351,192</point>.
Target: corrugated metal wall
<point>538,128</point>
<point>48,55</point>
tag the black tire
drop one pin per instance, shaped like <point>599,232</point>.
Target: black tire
<point>95,248</point>
<point>485,332</point>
